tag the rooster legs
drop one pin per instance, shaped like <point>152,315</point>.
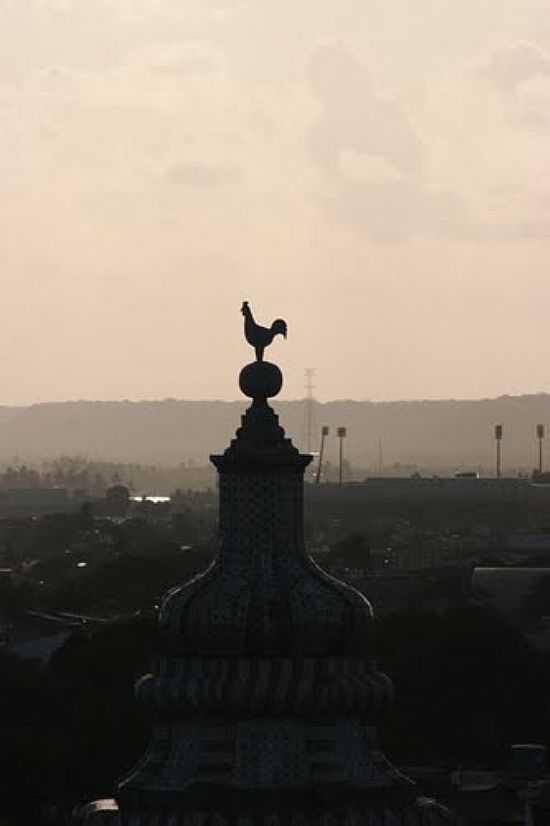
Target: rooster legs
<point>259,352</point>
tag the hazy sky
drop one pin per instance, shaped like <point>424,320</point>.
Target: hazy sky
<point>377,172</point>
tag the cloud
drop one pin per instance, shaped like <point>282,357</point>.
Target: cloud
<point>183,58</point>
<point>374,162</point>
<point>515,64</point>
<point>467,160</point>
<point>202,176</point>
<point>182,105</point>
<point>470,166</point>
<point>396,211</point>
<point>354,117</point>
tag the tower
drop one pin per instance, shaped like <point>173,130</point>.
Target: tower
<point>265,697</point>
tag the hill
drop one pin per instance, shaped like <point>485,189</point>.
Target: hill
<point>431,434</point>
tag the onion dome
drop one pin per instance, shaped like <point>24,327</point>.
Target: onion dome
<point>264,596</point>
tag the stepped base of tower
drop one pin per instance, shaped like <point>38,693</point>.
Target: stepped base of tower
<point>267,771</point>
<point>316,807</point>
<point>263,754</point>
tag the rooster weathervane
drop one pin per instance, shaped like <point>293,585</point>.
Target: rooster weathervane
<point>260,337</point>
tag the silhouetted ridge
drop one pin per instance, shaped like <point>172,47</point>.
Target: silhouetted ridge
<point>425,432</point>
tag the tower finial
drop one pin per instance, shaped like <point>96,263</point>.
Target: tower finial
<point>260,380</point>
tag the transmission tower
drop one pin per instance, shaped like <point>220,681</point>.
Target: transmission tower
<point>308,407</point>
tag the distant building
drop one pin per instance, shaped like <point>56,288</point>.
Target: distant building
<point>30,501</point>
<point>529,543</point>
<point>422,490</point>
<point>37,636</point>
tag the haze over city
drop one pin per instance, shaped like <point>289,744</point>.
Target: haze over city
<point>375,173</point>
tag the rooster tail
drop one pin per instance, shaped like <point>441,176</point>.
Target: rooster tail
<point>279,327</point>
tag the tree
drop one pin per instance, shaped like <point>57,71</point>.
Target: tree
<point>467,686</point>
<point>351,551</point>
<point>536,603</point>
<point>117,499</point>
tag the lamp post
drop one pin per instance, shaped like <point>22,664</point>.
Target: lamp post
<point>324,434</point>
<point>540,437</point>
<point>341,433</point>
<point>498,439</point>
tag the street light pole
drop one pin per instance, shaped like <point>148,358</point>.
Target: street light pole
<point>341,432</point>
<point>498,438</point>
<point>540,437</point>
<point>324,434</point>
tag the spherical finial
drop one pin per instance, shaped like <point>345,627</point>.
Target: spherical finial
<point>260,380</point>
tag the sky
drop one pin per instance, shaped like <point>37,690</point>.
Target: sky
<point>376,172</point>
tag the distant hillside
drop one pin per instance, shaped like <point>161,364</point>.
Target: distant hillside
<point>431,434</point>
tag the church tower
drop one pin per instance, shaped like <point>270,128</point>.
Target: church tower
<point>265,698</point>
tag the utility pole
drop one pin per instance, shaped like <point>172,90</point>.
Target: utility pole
<point>498,439</point>
<point>341,433</point>
<point>540,437</point>
<point>324,434</point>
<point>308,407</point>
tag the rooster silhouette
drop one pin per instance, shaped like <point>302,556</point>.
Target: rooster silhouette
<point>260,337</point>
